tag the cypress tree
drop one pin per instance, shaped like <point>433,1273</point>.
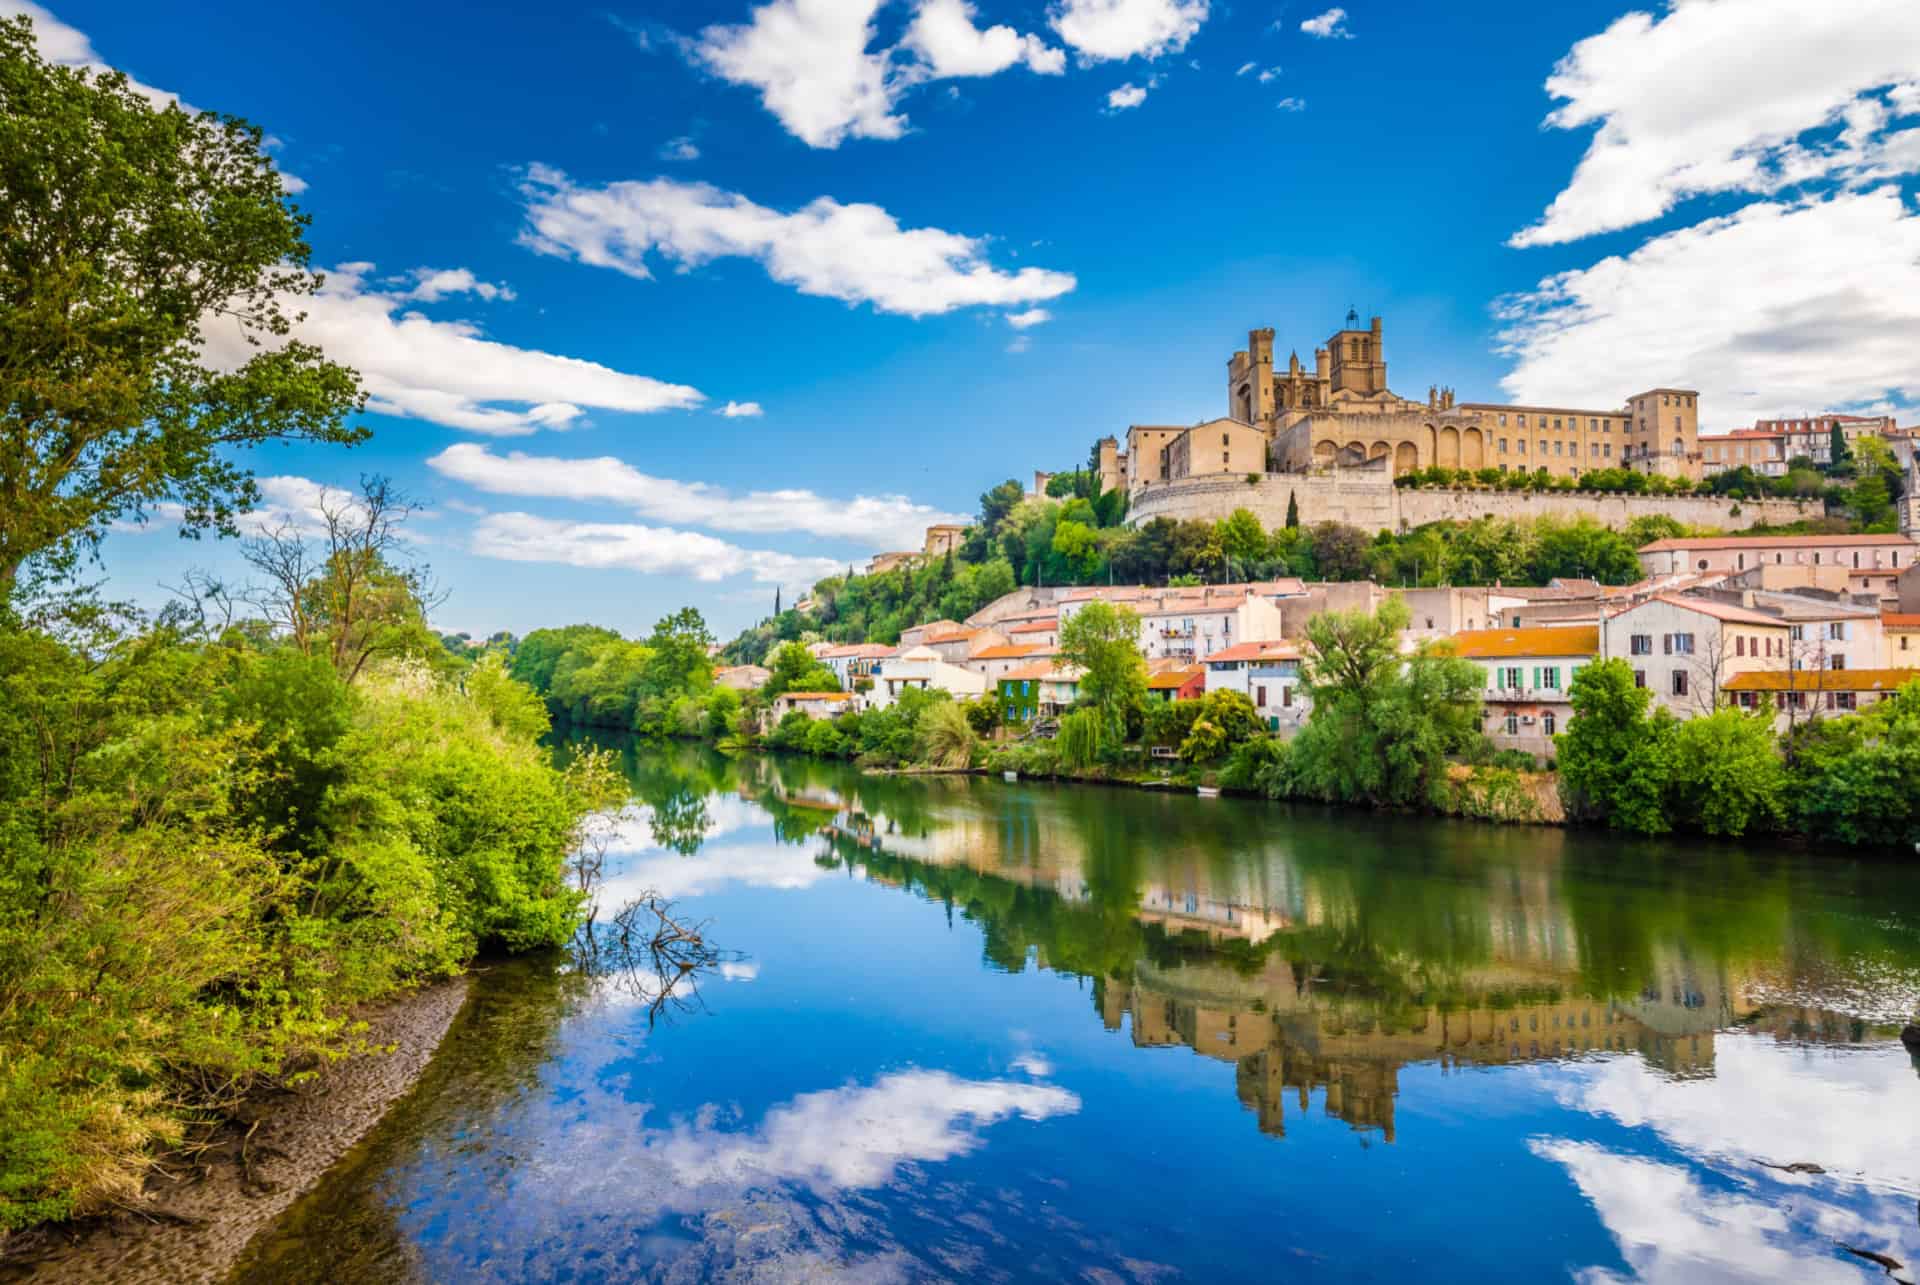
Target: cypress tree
<point>1293,510</point>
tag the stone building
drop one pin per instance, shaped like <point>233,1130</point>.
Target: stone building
<point>1342,413</point>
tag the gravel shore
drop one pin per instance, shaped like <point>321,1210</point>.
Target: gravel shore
<point>195,1225</point>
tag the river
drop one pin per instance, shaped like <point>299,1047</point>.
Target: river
<point>969,1030</point>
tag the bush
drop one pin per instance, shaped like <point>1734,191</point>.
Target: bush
<point>1249,759</point>
<point>824,740</point>
<point>947,735</point>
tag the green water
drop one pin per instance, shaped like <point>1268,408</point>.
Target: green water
<point>968,1030</point>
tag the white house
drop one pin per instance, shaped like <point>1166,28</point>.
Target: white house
<point>812,704</point>
<point>1194,623</point>
<point>921,667</point>
<point>1529,672</point>
<point>1266,673</point>
<point>1684,649</point>
<point>852,663</point>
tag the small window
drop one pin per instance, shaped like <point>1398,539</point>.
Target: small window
<point>1513,725</point>
<point>1547,723</point>
<point>1679,682</point>
<point>1639,678</point>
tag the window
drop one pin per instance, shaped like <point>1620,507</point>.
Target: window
<point>1744,700</point>
<point>1679,682</point>
<point>1547,723</point>
<point>1606,452</point>
<point>1513,725</point>
<point>1739,646</point>
<point>1556,447</point>
<point>1680,645</point>
<point>1640,645</point>
<point>1837,630</point>
<point>1543,446</point>
<point>1503,421</point>
<point>1548,678</point>
<point>1523,421</point>
<point>1840,700</point>
<point>1639,678</point>
<point>1510,679</point>
<point>1556,421</point>
<point>1260,695</point>
<point>1286,697</point>
<point>1503,442</point>
<point>1523,446</point>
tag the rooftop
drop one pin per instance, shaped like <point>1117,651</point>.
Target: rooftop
<point>1042,670</point>
<point>1771,542</point>
<point>1008,651</point>
<point>1568,640</point>
<point>1173,679</point>
<point>1900,619</point>
<point>816,696</point>
<point>1275,650</point>
<point>1821,680</point>
<point>1718,610</point>
<point>1048,625</point>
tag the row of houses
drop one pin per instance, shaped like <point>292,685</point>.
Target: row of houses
<point>1814,624</point>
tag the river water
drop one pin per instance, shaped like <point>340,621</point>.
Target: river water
<point>969,1030</point>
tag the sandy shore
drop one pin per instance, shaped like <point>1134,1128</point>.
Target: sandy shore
<point>196,1225</point>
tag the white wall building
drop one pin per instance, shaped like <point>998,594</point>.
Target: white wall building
<point>1685,649</point>
<point>1266,673</point>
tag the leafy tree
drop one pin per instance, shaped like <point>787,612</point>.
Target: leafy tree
<point>794,669</point>
<point>1856,779</point>
<point>1293,511</point>
<point>1615,760</point>
<point>1104,641</point>
<point>996,504</point>
<point>1340,552</point>
<point>1581,549</point>
<point>1839,455</point>
<point>678,660</point>
<point>129,227</point>
<point>540,652</point>
<point>948,735</point>
<point>1241,537</point>
<point>1727,776</point>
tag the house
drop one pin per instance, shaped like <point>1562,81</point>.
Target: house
<point>1529,673</point>
<point>1728,553</point>
<point>918,634</point>
<point>1900,633</point>
<point>888,561</point>
<point>742,678</point>
<point>1185,683</point>
<point>993,663</point>
<point>853,663</point>
<point>921,667</point>
<point>1266,673</point>
<point>1044,688</point>
<point>1804,694</point>
<point>956,644</point>
<point>1762,450</point>
<point>1683,648</point>
<point>1044,632</point>
<point>812,704</point>
<point>1824,630</point>
<point>1191,623</point>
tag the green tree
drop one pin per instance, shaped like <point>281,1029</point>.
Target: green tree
<point>1293,511</point>
<point>1241,537</point>
<point>1839,455</point>
<point>1341,552</point>
<point>996,504</point>
<point>1727,776</point>
<point>1856,779</point>
<point>1104,641</point>
<point>793,669</point>
<point>1616,761</point>
<point>127,228</point>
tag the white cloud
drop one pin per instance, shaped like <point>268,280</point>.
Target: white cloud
<point>882,521</point>
<point>1034,1064</point>
<point>1669,128</point>
<point>742,410</point>
<point>433,284</point>
<point>1291,104</point>
<point>1776,309</point>
<point>1020,343</point>
<point>1112,30</point>
<point>810,62</point>
<point>947,44</point>
<point>522,537</point>
<point>445,371</point>
<point>1127,96</point>
<point>816,71</point>
<point>679,149</point>
<point>1246,67</point>
<point>1331,25</point>
<point>857,253</point>
<point>857,1136</point>
<point>1031,317</point>
<point>1269,74</point>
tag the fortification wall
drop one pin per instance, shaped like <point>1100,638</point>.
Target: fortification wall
<point>1366,498</point>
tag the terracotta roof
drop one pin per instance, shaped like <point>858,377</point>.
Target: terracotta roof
<point>1718,610</point>
<point>1567,640</point>
<point>859,651</point>
<point>1036,626</point>
<point>1008,651</point>
<point>1900,619</point>
<point>816,696</point>
<point>1821,680</point>
<point>1173,678</point>
<point>1273,650</point>
<point>952,635</point>
<point>1770,542</point>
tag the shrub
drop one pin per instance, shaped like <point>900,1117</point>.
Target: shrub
<point>947,735</point>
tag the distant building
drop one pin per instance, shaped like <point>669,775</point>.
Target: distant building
<point>943,539</point>
<point>1723,553</point>
<point>812,704</point>
<point>1182,683</point>
<point>744,678</point>
<point>1267,674</point>
<point>921,667</point>
<point>888,561</point>
<point>1828,691</point>
<point>1684,649</point>
<point>1529,674</point>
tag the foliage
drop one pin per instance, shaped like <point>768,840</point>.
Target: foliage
<point>1615,759</point>
<point>1080,738</point>
<point>1856,779</point>
<point>128,227</point>
<point>1495,793</point>
<point>794,669</point>
<point>947,734</point>
<point>1104,641</point>
<point>1726,775</point>
<point>1243,771</point>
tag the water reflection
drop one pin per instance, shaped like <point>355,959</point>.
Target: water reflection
<point>1590,1057</point>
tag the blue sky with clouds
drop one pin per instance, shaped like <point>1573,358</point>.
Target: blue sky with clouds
<point>918,246</point>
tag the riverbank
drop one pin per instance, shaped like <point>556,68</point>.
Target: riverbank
<point>200,1211</point>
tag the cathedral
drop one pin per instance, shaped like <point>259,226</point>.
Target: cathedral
<point>1341,414</point>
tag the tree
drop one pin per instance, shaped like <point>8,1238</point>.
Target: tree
<point>1241,537</point>
<point>1839,457</point>
<point>353,594</point>
<point>1856,779</point>
<point>794,669</point>
<point>1293,511</point>
<point>1726,773</point>
<point>996,504</point>
<point>1104,641</point>
<point>1340,551</point>
<point>1615,760</point>
<point>134,236</point>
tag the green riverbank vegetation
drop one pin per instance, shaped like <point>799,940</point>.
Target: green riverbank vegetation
<point>225,827</point>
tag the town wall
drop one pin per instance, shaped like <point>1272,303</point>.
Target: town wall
<point>1368,499</point>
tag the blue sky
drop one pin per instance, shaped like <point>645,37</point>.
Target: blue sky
<point>938,243</point>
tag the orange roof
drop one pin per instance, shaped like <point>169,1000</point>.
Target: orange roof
<point>1900,619</point>
<point>1173,678</point>
<point>1275,650</point>
<point>1821,680</point>
<point>1036,626</point>
<point>1564,640</point>
<point>1008,651</point>
<point>1770,542</point>
<point>952,635</point>
<point>816,696</point>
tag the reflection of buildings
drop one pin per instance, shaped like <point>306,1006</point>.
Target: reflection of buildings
<point>1285,1036</point>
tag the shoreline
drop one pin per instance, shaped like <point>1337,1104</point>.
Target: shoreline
<point>195,1227</point>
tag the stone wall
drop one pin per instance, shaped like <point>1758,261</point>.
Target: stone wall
<point>1366,498</point>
